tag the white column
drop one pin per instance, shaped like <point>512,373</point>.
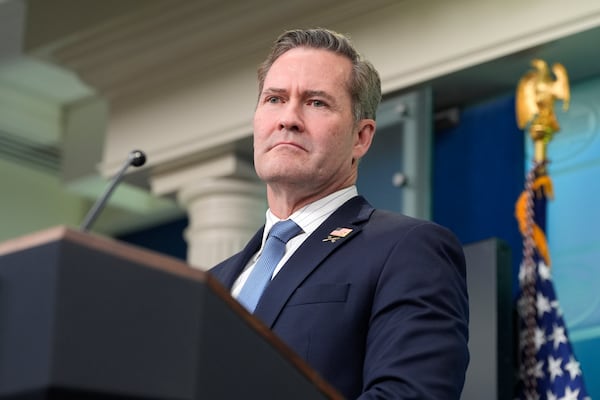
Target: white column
<point>224,199</point>
<point>224,213</point>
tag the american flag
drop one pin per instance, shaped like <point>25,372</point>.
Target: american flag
<point>548,367</point>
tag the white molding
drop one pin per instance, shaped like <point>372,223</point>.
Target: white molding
<point>34,96</point>
<point>223,166</point>
<point>451,45</point>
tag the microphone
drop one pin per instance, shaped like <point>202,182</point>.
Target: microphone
<point>136,158</point>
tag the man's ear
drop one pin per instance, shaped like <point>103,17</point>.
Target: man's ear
<point>364,138</point>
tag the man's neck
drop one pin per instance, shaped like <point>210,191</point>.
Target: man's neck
<point>282,204</point>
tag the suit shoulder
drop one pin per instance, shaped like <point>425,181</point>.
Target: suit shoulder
<point>388,222</point>
<point>394,220</point>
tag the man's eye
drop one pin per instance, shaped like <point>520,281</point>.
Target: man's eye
<point>317,103</point>
<point>273,100</point>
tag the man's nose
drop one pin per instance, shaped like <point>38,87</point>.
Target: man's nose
<point>291,117</point>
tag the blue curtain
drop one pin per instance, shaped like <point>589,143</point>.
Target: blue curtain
<point>478,175</point>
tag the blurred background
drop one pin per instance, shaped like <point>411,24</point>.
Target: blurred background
<point>84,82</point>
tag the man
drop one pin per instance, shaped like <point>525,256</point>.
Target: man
<point>375,302</point>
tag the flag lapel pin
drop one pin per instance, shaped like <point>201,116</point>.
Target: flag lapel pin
<point>337,234</point>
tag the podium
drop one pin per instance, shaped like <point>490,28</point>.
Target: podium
<point>87,317</point>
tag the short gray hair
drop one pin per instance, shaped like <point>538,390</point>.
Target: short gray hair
<point>364,85</point>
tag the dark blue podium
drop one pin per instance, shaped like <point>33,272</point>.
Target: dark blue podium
<point>87,317</point>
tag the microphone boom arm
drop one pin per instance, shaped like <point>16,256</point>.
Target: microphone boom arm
<point>136,158</point>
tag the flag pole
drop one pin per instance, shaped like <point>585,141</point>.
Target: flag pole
<point>536,95</point>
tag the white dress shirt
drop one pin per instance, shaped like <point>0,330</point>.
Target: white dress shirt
<point>308,219</point>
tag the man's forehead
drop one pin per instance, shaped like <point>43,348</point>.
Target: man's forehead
<point>308,56</point>
<point>317,69</point>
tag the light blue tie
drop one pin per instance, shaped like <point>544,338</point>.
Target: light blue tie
<point>272,253</point>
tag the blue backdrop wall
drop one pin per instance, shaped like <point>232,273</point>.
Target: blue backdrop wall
<point>478,175</point>
<point>167,238</point>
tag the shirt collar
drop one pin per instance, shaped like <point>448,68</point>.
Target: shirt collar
<point>312,215</point>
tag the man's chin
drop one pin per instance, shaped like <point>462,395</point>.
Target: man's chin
<point>281,166</point>
<point>285,178</point>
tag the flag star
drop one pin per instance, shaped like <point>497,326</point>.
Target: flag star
<point>570,394</point>
<point>556,306</point>
<point>540,338</point>
<point>554,367</point>
<point>558,336</point>
<point>550,395</point>
<point>538,369</point>
<point>573,367</point>
<point>543,305</point>
<point>544,271</point>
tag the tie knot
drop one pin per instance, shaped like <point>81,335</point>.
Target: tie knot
<point>285,230</point>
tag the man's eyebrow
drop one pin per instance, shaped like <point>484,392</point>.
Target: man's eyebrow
<point>320,93</point>
<point>273,91</point>
<point>305,94</point>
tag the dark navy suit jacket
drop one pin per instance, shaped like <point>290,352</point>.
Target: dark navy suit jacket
<point>381,313</point>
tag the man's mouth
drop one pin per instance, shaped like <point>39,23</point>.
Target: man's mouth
<point>289,144</point>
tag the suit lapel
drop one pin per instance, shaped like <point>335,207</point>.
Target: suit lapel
<point>311,254</point>
<point>228,275</point>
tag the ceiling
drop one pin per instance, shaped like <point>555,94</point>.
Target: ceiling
<point>578,53</point>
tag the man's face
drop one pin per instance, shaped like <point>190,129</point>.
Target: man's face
<point>305,137</point>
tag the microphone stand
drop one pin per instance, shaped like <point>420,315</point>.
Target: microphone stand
<point>136,158</point>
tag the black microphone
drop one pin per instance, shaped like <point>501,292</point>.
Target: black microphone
<point>136,158</point>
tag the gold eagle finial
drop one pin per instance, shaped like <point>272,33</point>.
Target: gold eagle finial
<point>536,93</point>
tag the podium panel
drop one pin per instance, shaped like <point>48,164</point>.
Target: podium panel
<point>490,372</point>
<point>87,317</point>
